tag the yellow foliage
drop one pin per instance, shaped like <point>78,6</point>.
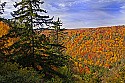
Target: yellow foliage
<point>109,48</point>
<point>3,28</point>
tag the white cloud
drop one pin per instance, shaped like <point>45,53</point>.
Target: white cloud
<point>93,13</point>
<point>9,7</point>
<point>99,16</point>
<point>62,5</point>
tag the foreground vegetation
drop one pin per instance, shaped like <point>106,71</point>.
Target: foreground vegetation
<point>58,56</point>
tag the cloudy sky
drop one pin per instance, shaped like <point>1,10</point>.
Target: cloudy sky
<point>81,13</point>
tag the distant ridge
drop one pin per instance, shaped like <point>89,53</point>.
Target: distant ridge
<point>98,27</point>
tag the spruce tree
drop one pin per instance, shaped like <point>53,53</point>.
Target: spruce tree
<point>2,5</point>
<point>28,14</point>
<point>57,35</point>
<point>33,50</point>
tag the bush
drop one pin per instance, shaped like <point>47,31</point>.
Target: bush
<point>13,73</point>
<point>64,71</point>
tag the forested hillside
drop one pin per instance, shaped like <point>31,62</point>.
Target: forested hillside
<point>102,46</point>
<point>55,55</point>
<point>99,46</point>
<point>94,51</point>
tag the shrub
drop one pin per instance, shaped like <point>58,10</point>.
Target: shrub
<point>13,73</point>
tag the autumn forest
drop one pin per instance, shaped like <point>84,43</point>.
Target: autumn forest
<point>56,55</point>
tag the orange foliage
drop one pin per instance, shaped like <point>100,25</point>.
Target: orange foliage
<point>3,28</point>
<point>94,46</point>
<point>97,46</point>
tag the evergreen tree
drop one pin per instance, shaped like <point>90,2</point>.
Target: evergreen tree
<point>57,34</point>
<point>56,27</point>
<point>28,14</point>
<point>2,5</point>
<point>33,50</point>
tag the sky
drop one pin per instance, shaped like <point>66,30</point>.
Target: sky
<point>81,13</point>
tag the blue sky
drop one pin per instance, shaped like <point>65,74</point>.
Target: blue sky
<point>82,13</point>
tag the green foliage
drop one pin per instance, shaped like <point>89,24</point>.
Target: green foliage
<point>30,13</point>
<point>56,37</point>
<point>56,79</point>
<point>32,49</point>
<point>95,75</point>
<point>65,70</point>
<point>13,73</point>
<point>2,5</point>
<point>116,74</point>
<point>55,34</point>
<point>99,74</point>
